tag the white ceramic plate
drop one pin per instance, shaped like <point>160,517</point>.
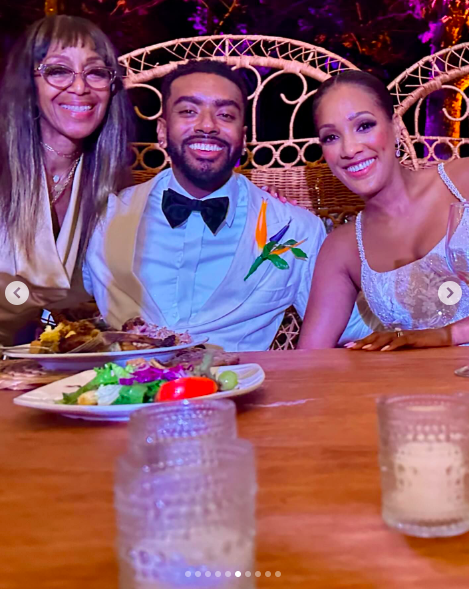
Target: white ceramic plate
<point>250,377</point>
<point>89,360</point>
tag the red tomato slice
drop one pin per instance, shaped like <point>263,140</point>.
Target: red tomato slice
<point>186,388</point>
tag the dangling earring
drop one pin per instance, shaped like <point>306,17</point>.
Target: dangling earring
<point>398,148</point>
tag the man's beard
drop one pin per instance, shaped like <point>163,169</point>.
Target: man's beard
<point>205,176</point>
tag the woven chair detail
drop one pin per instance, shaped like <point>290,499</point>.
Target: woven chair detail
<point>446,71</point>
<point>288,332</point>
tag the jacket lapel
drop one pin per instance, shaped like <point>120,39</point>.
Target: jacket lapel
<point>52,264</point>
<point>120,250</point>
<point>234,290</point>
<point>69,237</point>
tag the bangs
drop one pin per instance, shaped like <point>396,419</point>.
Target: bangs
<point>66,31</point>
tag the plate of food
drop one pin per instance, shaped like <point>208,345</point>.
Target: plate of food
<point>86,343</point>
<point>25,375</point>
<point>112,392</point>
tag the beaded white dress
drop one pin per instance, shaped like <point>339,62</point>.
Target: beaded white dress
<point>407,297</point>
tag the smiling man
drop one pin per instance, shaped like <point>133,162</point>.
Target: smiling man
<point>176,250</point>
<point>203,127</point>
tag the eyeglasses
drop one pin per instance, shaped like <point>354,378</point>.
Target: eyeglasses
<point>62,77</point>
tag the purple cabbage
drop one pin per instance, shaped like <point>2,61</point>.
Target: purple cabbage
<point>150,374</point>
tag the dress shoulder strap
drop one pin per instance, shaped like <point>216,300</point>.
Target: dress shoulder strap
<point>358,232</point>
<point>449,183</point>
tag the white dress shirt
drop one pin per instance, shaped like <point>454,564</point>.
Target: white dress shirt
<point>185,265</point>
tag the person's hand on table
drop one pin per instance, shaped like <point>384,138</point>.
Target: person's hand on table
<point>388,341</point>
<point>278,194</point>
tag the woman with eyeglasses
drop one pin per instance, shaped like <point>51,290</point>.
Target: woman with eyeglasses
<point>64,131</point>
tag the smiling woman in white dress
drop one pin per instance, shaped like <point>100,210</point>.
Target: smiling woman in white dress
<point>64,130</point>
<point>395,252</point>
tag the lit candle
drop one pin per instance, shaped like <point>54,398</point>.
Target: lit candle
<point>200,558</point>
<point>429,482</point>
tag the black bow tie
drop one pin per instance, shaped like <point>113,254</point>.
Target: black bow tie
<point>177,208</point>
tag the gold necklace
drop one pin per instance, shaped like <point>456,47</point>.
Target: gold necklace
<point>59,189</point>
<point>69,156</point>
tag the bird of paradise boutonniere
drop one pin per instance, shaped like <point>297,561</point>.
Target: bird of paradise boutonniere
<point>272,250</point>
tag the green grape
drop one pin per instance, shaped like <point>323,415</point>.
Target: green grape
<point>228,380</point>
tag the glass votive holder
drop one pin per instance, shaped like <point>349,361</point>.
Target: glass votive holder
<point>424,463</point>
<point>178,421</point>
<point>190,524</point>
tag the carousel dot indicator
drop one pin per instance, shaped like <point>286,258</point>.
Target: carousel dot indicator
<point>268,573</point>
<point>278,573</point>
<point>258,573</point>
<point>237,573</point>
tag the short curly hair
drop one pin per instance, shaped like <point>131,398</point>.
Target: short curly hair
<point>204,66</point>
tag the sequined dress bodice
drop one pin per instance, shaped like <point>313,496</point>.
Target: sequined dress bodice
<point>407,297</point>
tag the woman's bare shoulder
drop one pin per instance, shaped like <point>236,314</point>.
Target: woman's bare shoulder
<point>339,255</point>
<point>342,241</point>
<point>343,234</point>
<point>458,171</point>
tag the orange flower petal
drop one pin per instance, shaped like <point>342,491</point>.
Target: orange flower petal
<point>285,249</point>
<point>261,228</point>
<point>281,251</point>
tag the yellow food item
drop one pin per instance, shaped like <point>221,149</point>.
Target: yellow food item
<point>50,339</point>
<point>53,340</point>
<point>51,335</point>
<point>126,346</point>
<point>35,347</point>
<point>89,398</point>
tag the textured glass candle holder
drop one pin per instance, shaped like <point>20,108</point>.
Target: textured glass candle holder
<point>187,519</point>
<point>424,463</point>
<point>163,423</point>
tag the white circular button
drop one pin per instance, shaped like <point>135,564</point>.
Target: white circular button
<point>17,293</point>
<point>450,293</point>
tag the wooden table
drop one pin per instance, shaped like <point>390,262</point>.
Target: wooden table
<point>319,520</point>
